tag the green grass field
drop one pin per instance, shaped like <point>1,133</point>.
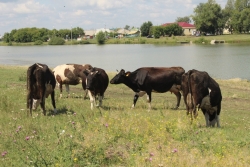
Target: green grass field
<point>116,135</point>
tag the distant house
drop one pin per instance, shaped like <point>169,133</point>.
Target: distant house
<point>188,29</point>
<point>135,32</point>
<point>103,30</point>
<point>122,32</point>
<point>89,34</point>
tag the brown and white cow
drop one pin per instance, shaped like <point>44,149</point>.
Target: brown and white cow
<point>40,84</point>
<point>151,79</point>
<point>199,89</point>
<point>70,74</point>
<point>96,83</point>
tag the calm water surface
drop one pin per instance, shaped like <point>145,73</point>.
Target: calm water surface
<point>223,61</point>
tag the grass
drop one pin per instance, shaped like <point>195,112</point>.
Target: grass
<point>234,38</point>
<point>116,135</point>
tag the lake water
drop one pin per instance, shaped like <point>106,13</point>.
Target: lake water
<point>222,61</point>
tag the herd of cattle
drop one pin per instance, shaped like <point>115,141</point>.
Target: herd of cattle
<point>199,90</point>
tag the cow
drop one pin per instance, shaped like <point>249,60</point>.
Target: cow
<point>199,89</point>
<point>40,84</point>
<point>146,80</point>
<point>70,74</point>
<point>96,83</point>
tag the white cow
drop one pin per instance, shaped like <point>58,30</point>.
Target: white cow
<point>70,74</point>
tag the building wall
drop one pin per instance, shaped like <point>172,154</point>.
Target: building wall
<point>189,31</point>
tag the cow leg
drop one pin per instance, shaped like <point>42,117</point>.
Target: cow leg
<point>92,100</point>
<point>149,100</point>
<point>53,101</point>
<point>218,120</point>
<point>100,100</point>
<point>135,99</point>
<point>67,89</point>
<point>176,90</point>
<point>207,119</point>
<point>30,102</point>
<point>60,87</point>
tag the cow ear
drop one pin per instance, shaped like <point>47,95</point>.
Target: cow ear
<point>127,74</point>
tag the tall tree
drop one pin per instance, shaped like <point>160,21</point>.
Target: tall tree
<point>126,27</point>
<point>183,19</point>
<point>145,28</point>
<point>208,17</point>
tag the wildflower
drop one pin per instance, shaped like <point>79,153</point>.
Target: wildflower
<point>73,122</point>
<point>19,127</point>
<point>63,131</point>
<point>175,150</point>
<point>27,138</point>
<point>4,153</point>
<point>75,159</point>
<point>70,136</point>
<point>150,159</point>
<point>74,113</point>
<point>34,132</point>
<point>106,125</point>
<point>151,154</point>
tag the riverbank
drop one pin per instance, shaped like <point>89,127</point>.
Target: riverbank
<point>116,135</point>
<point>240,38</point>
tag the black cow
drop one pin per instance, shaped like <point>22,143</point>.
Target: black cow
<point>96,83</point>
<point>199,89</point>
<point>148,79</point>
<point>40,84</point>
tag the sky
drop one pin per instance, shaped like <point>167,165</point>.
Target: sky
<point>92,14</point>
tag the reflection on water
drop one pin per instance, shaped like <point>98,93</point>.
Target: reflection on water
<point>220,61</point>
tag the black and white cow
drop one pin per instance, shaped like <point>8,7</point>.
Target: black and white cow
<point>151,79</point>
<point>70,74</point>
<point>96,83</point>
<point>199,89</point>
<point>40,84</point>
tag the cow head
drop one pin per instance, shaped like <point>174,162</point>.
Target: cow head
<point>91,79</point>
<point>119,77</point>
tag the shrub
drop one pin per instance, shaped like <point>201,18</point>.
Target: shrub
<point>100,37</point>
<point>56,41</point>
<point>201,40</point>
<point>38,42</point>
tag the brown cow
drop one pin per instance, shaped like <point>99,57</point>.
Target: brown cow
<point>40,84</point>
<point>151,79</point>
<point>70,74</point>
<point>96,83</point>
<point>199,89</point>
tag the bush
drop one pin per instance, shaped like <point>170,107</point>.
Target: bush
<point>100,37</point>
<point>38,42</point>
<point>201,40</point>
<point>56,41</point>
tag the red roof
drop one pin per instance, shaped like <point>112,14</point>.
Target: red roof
<point>182,24</point>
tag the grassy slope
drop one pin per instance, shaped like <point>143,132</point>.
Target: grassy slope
<point>116,135</point>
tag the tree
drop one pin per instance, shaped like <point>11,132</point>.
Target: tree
<point>240,16</point>
<point>100,37</point>
<point>157,31</point>
<point>126,27</point>
<point>145,28</point>
<point>227,14</point>
<point>183,19</point>
<point>173,29</point>
<point>208,17</point>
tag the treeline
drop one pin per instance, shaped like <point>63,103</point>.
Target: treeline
<point>210,17</point>
<point>34,34</point>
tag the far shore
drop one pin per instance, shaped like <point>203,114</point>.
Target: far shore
<point>173,40</point>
